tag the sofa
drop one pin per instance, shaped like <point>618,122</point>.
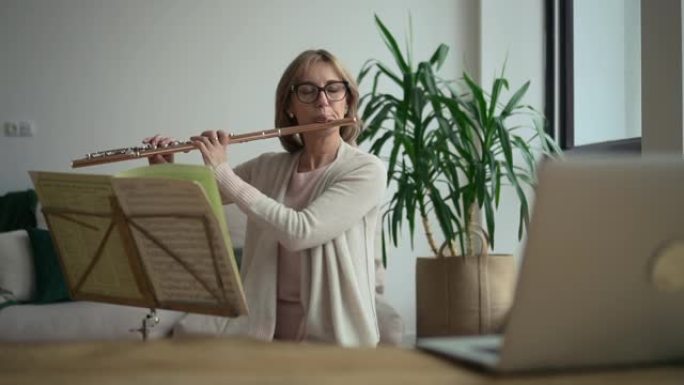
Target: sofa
<point>34,303</point>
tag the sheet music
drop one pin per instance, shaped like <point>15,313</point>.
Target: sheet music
<point>173,227</point>
<point>80,229</point>
<point>199,174</point>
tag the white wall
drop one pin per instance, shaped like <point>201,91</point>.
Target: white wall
<point>96,74</point>
<point>100,74</point>
<point>662,89</point>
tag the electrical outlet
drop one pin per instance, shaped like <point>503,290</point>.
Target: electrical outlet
<point>26,128</point>
<point>23,128</point>
<point>11,129</point>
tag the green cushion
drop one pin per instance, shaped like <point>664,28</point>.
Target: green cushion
<point>50,283</point>
<point>237,252</point>
<point>18,210</point>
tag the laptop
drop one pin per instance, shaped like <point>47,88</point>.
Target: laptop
<point>602,277</point>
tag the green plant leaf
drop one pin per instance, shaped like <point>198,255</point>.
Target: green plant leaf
<point>439,57</point>
<point>514,101</point>
<point>499,84</point>
<point>489,215</point>
<point>384,251</point>
<point>391,44</point>
<point>480,109</point>
<point>376,148</point>
<point>365,69</point>
<point>393,155</point>
<point>385,70</point>
<point>409,43</point>
<point>442,211</point>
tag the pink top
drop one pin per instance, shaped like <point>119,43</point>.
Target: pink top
<point>290,313</point>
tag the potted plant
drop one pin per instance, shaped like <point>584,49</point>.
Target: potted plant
<point>450,149</point>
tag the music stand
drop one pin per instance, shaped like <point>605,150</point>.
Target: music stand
<point>116,248</point>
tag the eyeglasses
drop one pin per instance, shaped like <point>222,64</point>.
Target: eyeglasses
<point>308,92</point>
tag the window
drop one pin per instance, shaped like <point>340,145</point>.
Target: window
<point>596,94</point>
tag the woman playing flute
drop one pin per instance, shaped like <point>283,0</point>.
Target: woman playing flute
<point>309,262</point>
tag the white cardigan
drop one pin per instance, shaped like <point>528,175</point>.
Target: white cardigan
<point>336,228</point>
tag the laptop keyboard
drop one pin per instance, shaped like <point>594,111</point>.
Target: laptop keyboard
<point>492,349</point>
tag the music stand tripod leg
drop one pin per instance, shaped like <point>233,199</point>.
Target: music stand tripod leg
<point>150,320</point>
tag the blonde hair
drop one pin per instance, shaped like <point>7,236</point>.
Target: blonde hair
<point>292,74</point>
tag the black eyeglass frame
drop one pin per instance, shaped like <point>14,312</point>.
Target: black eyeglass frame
<point>295,87</point>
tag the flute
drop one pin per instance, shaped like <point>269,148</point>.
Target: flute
<point>128,153</point>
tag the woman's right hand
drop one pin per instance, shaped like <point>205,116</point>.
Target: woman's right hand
<point>159,141</point>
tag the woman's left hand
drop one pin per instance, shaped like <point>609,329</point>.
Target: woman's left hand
<point>212,145</point>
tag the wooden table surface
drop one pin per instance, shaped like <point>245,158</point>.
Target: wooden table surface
<point>239,361</point>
